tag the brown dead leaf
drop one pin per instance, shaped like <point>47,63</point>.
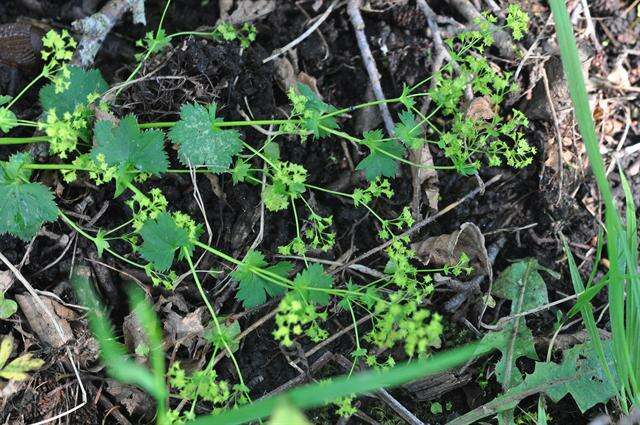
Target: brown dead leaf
<point>551,160</point>
<point>6,280</point>
<point>184,330</point>
<point>251,10</point>
<point>480,108</point>
<point>41,322</point>
<point>424,179</point>
<point>447,249</point>
<point>619,76</point>
<point>136,401</point>
<point>287,78</point>
<point>134,334</point>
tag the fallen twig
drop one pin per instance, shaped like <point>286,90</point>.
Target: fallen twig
<point>353,9</point>
<point>384,395</point>
<point>95,28</point>
<point>302,36</point>
<point>419,225</point>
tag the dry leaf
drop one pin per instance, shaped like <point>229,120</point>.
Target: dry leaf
<point>480,108</point>
<point>619,76</point>
<point>134,400</point>
<point>134,334</point>
<point>286,77</point>
<point>251,10</point>
<point>6,280</point>
<point>184,330</point>
<point>424,179</point>
<point>447,249</point>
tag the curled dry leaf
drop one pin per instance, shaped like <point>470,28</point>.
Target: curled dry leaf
<point>480,108</point>
<point>41,323</point>
<point>184,330</point>
<point>424,179</point>
<point>136,401</point>
<point>447,249</point>
<point>287,78</point>
<point>251,10</point>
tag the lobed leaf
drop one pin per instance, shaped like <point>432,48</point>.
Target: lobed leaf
<point>129,149</point>
<point>82,84</point>
<point>162,237</point>
<point>24,206</point>
<point>310,279</point>
<point>254,287</point>
<point>201,142</point>
<point>378,163</point>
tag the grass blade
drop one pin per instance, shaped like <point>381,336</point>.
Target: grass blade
<point>319,394</point>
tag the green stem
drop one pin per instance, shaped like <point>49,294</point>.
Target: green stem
<point>23,140</point>
<point>24,90</point>
<point>54,167</point>
<point>169,124</point>
<point>214,317</point>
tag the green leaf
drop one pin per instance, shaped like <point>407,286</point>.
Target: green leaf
<point>6,347</point>
<point>580,374</point>
<point>285,413</point>
<point>7,307</point>
<point>201,142</point>
<point>24,206</point>
<point>315,108</point>
<point>240,172</point>
<point>16,369</point>
<point>312,278</point>
<point>524,286</point>
<point>378,162</point>
<point>130,149</point>
<point>112,353</point>
<point>227,336</point>
<point>162,237</point>
<point>82,84</point>
<point>8,120</point>
<point>523,273</point>
<point>409,130</point>
<point>513,345</point>
<point>253,288</point>
<point>322,393</point>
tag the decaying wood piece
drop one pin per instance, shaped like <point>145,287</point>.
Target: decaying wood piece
<point>42,325</point>
<point>95,28</point>
<point>435,386</point>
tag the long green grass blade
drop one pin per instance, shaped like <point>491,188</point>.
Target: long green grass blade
<point>587,315</point>
<point>315,395</point>
<point>621,246</point>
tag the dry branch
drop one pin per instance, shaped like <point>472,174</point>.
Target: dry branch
<point>353,9</point>
<point>95,28</point>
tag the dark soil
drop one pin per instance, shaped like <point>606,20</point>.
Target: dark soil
<point>196,70</point>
